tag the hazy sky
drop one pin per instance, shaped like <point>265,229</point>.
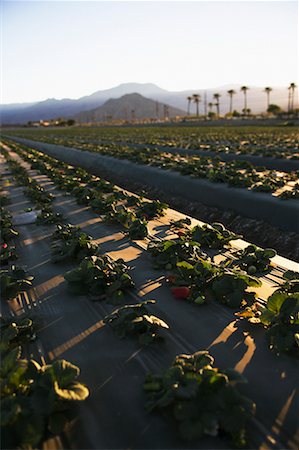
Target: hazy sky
<point>73,48</point>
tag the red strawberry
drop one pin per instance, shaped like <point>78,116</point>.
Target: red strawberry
<point>180,291</point>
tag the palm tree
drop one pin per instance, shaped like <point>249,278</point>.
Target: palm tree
<point>210,105</point>
<point>244,89</point>
<point>189,98</point>
<point>292,88</point>
<point>196,99</point>
<point>289,99</point>
<point>216,97</point>
<point>268,90</point>
<point>231,93</point>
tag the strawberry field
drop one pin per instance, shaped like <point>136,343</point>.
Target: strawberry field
<point>127,324</point>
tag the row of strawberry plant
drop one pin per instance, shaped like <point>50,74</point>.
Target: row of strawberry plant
<point>99,276</point>
<point>35,399</point>
<point>13,279</point>
<point>196,278</point>
<point>104,198</point>
<point>240,174</point>
<point>275,142</point>
<point>34,191</point>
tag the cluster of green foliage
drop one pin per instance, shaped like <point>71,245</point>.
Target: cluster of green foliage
<point>48,217</point>
<point>135,320</point>
<point>74,246</point>
<point>280,315</point>
<point>100,277</point>
<point>35,399</point>
<point>37,193</point>
<point>253,259</point>
<point>214,236</point>
<point>4,201</point>
<point>65,231</point>
<point>13,281</point>
<point>7,230</point>
<point>167,253</point>
<point>201,398</point>
<point>203,277</point>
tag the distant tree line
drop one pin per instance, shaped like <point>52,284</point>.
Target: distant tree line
<point>271,108</point>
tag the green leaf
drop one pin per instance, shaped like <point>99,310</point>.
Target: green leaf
<point>74,392</point>
<point>10,409</point>
<point>10,361</point>
<point>64,372</point>
<point>275,301</point>
<point>184,265</point>
<point>270,252</point>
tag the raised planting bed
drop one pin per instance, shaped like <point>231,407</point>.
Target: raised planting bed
<point>284,214</point>
<point>278,163</point>
<point>270,142</point>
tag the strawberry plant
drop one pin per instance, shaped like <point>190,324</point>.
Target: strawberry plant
<point>168,252</point>
<point>4,200</point>
<point>151,209</point>
<point>137,229</point>
<point>230,287</point>
<point>20,329</point>
<point>77,247</point>
<point>291,275</point>
<point>37,193</point>
<point>48,217</point>
<point>100,277</point>
<point>201,399</point>
<point>180,224</point>
<point>7,231</point>
<point>7,253</point>
<point>280,317</point>
<point>83,194</point>
<point>13,281</point>
<point>36,399</point>
<point>135,320</point>
<point>101,204</point>
<point>65,231</point>
<point>254,259</point>
<point>194,278</point>
<point>213,236</point>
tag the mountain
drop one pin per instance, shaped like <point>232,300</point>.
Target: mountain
<point>52,108</point>
<point>129,106</point>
